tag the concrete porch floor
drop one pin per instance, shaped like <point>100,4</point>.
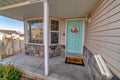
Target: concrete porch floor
<point>34,67</point>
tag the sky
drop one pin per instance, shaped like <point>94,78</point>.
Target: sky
<point>11,24</point>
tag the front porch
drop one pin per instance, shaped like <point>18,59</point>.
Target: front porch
<point>33,67</point>
<point>73,24</point>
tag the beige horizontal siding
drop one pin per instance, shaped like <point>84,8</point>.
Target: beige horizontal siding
<point>103,33</point>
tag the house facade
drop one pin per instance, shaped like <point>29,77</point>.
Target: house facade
<point>58,36</point>
<point>77,27</point>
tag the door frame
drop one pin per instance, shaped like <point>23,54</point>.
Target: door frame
<point>83,36</point>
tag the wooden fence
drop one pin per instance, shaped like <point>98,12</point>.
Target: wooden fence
<point>10,47</point>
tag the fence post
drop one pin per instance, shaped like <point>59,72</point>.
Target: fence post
<point>20,44</point>
<point>13,50</point>
<point>1,49</point>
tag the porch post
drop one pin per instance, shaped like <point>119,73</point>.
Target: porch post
<point>46,24</point>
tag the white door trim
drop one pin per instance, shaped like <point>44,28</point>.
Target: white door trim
<point>82,35</point>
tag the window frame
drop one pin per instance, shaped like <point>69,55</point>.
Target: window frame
<point>49,31</point>
<point>32,19</point>
<point>55,31</point>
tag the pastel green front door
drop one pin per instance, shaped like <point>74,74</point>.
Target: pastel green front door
<point>74,42</point>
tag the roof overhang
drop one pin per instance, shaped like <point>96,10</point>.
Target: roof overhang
<point>57,8</point>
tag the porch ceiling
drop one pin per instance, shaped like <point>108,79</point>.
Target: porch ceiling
<point>8,2</point>
<point>58,8</point>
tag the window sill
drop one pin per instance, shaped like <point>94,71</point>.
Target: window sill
<point>35,44</point>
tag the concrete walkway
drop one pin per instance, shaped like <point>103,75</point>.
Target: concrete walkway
<point>34,67</point>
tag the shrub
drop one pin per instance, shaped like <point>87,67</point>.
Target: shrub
<point>9,72</point>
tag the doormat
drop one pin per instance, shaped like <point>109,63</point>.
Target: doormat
<point>76,61</point>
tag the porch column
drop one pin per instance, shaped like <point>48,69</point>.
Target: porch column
<point>46,24</point>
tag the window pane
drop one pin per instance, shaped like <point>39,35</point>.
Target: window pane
<point>54,25</point>
<point>54,37</point>
<point>35,31</point>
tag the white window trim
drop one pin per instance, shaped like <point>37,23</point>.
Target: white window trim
<point>54,31</point>
<point>83,36</point>
<point>51,18</point>
<point>40,18</point>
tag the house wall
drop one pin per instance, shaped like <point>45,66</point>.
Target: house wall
<point>62,31</point>
<point>25,31</point>
<point>34,49</point>
<point>103,33</point>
